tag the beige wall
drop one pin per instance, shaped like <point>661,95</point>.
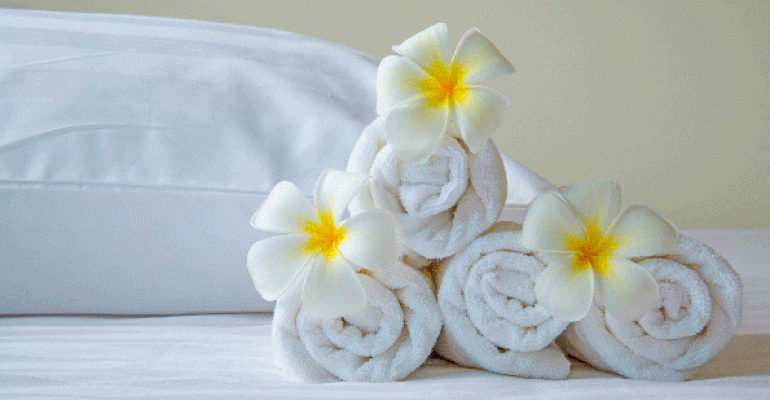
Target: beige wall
<point>670,98</point>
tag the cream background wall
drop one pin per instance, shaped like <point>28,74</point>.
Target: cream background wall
<point>669,98</point>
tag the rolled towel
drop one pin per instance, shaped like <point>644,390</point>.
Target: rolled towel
<point>386,341</point>
<point>440,206</point>
<point>491,317</point>
<point>698,313</point>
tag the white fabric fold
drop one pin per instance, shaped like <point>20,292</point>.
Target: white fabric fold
<point>698,313</point>
<point>133,150</point>
<point>441,205</point>
<point>491,317</point>
<point>386,341</point>
<point>523,186</point>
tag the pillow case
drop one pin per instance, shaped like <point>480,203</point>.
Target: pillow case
<point>134,150</point>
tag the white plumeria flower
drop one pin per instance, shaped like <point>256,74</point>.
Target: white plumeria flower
<point>318,246</point>
<point>423,91</point>
<point>586,240</point>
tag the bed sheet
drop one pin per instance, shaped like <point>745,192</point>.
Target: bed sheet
<point>229,356</point>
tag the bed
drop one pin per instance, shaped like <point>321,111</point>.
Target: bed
<point>133,151</point>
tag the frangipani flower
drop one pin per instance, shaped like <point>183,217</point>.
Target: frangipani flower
<point>586,240</point>
<point>320,247</point>
<point>422,91</point>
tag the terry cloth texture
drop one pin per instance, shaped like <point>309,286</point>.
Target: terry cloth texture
<point>386,341</point>
<point>491,318</point>
<point>697,314</point>
<point>441,205</point>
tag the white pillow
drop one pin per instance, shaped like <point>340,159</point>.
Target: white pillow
<point>134,150</point>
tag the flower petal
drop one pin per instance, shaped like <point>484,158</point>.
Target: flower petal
<point>479,111</point>
<point>548,224</point>
<point>427,47</point>
<point>564,291</point>
<point>335,189</point>
<point>415,130</point>
<point>332,289</point>
<point>285,210</point>
<point>629,291</point>
<point>642,231</point>
<point>398,80</point>
<point>595,201</point>
<point>274,263</point>
<point>371,240</point>
<point>479,58</point>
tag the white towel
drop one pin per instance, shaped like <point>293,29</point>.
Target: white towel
<point>699,312</point>
<point>491,318</point>
<point>386,341</point>
<point>440,206</point>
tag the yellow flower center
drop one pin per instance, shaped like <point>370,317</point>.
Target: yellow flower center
<point>591,251</point>
<point>325,237</point>
<point>444,84</point>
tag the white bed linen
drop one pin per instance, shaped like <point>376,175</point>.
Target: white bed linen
<point>229,356</point>
<point>134,150</point>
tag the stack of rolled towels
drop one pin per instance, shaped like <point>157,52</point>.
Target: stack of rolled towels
<point>464,287</point>
<point>485,277</point>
